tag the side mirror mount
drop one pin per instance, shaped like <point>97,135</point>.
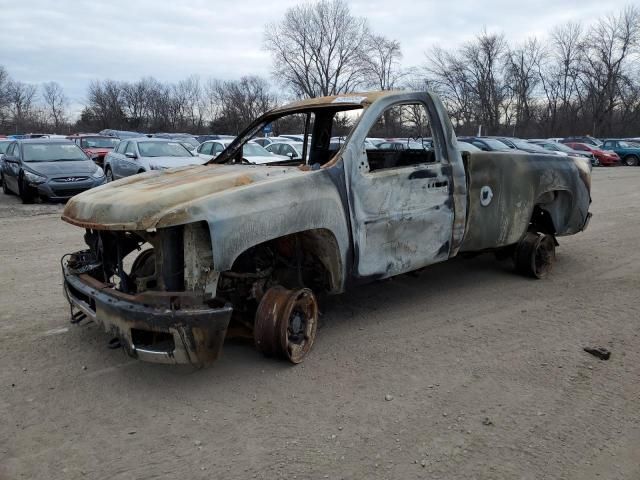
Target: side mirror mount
<point>131,155</point>
<point>290,155</point>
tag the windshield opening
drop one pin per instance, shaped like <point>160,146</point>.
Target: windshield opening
<point>4,146</point>
<point>313,126</point>
<point>163,149</point>
<point>51,152</point>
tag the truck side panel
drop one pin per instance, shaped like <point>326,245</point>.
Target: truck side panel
<point>504,188</point>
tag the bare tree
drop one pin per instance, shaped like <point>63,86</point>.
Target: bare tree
<point>241,102</point>
<point>55,103</point>
<point>317,49</point>
<point>607,48</point>
<point>381,62</point>
<point>21,100</point>
<point>522,81</point>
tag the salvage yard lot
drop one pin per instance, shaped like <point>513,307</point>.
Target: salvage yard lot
<point>483,371</point>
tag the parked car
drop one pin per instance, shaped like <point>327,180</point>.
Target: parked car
<point>586,139</point>
<point>629,152</point>
<point>204,138</point>
<point>138,155</point>
<point>48,168</point>
<point>401,145</point>
<point>255,241</point>
<point>606,159</point>
<point>487,144</point>
<point>564,148</point>
<point>290,149</point>
<point>467,147</point>
<point>188,141</point>
<point>121,134</point>
<point>525,146</point>
<point>94,145</point>
<point>264,141</point>
<point>251,152</point>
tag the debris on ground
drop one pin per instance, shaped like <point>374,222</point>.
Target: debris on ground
<point>487,421</point>
<point>600,352</point>
<point>388,397</point>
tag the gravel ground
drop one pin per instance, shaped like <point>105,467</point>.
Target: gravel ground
<point>465,371</point>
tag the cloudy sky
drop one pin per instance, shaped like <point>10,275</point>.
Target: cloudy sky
<point>74,41</point>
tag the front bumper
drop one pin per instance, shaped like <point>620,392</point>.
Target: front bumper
<point>55,190</point>
<point>149,332</point>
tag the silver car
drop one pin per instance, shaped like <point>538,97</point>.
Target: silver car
<point>143,154</point>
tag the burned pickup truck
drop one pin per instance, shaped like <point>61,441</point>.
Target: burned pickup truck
<point>180,259</point>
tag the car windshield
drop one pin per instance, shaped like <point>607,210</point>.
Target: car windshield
<point>562,147</point>
<point>3,147</point>
<point>53,152</point>
<point>190,140</point>
<point>163,149</point>
<point>468,147</point>
<point>495,144</point>
<point>254,150</point>
<point>99,142</point>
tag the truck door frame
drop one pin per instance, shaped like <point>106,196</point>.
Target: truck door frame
<point>421,221</point>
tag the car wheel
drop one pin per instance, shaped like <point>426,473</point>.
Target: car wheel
<point>630,161</point>
<point>25,192</point>
<point>535,255</point>
<point>109,174</point>
<point>5,187</point>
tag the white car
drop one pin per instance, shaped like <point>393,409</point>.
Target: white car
<point>291,150</point>
<point>251,152</point>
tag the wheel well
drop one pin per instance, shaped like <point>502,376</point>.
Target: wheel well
<point>551,212</point>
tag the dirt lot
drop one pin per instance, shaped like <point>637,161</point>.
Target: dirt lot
<point>485,369</point>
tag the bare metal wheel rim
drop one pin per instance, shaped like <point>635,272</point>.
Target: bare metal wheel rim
<point>544,256</point>
<point>298,325</point>
<point>265,328</point>
<point>286,323</point>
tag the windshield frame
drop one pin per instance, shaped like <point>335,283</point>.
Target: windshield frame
<point>234,149</point>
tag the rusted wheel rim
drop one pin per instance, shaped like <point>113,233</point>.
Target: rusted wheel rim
<point>298,325</point>
<point>265,328</point>
<point>544,256</point>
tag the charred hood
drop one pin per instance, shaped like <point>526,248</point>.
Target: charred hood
<point>159,198</point>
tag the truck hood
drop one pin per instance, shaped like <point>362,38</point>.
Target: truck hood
<point>164,198</point>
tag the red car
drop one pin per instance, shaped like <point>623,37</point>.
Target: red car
<point>605,158</point>
<point>94,145</point>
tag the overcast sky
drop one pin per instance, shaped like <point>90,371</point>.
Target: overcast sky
<point>74,41</point>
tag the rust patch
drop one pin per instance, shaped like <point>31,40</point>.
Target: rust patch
<point>243,180</point>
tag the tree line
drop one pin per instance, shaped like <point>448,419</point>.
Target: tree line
<point>577,80</point>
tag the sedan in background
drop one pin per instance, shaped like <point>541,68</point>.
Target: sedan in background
<point>49,169</point>
<point>561,147</point>
<point>525,146</point>
<point>251,152</point>
<point>629,152</point>
<point>486,144</point>
<point>143,154</point>
<point>94,145</point>
<point>188,141</point>
<point>606,159</point>
<point>292,150</point>
<point>586,139</point>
